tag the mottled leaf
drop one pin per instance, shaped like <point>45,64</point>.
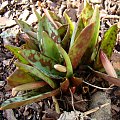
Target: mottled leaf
<point>107,45</point>
<point>15,50</point>
<point>80,45</point>
<point>27,98</point>
<point>91,48</point>
<point>67,62</point>
<point>49,48</point>
<point>45,25</point>
<point>19,77</point>
<point>87,13</point>
<point>109,40</point>
<point>36,72</point>
<point>43,63</point>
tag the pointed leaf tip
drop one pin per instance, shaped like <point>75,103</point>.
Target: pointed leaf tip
<point>107,65</point>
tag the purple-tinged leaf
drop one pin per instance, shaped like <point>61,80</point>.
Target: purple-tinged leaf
<point>80,45</point>
<point>19,77</point>
<point>28,86</point>
<point>107,65</point>
<point>37,73</point>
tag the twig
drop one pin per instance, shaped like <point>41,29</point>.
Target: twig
<point>56,104</point>
<point>72,99</point>
<point>96,86</point>
<point>95,109</point>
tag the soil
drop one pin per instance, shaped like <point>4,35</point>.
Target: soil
<point>44,110</point>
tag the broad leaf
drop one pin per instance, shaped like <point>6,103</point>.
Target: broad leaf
<point>67,62</point>
<point>78,28</point>
<point>107,45</point>
<point>15,50</point>
<point>43,63</point>
<point>45,25</point>
<point>80,45</point>
<point>87,13</point>
<point>27,98</point>
<point>91,48</point>
<point>109,40</point>
<point>19,77</point>
<point>49,48</point>
<point>36,72</point>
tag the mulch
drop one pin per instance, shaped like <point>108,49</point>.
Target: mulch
<point>22,9</point>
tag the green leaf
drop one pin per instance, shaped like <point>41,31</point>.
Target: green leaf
<point>67,62</point>
<point>49,48</point>
<point>66,40</point>
<point>36,72</point>
<point>25,27</point>
<point>27,98</point>
<point>80,45</point>
<point>78,28</point>
<point>15,50</point>
<point>107,44</point>
<point>45,25</point>
<point>109,40</point>
<point>19,77</point>
<point>87,13</point>
<point>91,48</point>
<point>96,19</point>
<point>37,14</point>
<point>69,22</point>
<point>43,63</point>
<point>62,30</point>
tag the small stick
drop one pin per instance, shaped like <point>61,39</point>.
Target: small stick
<point>96,86</point>
<point>95,109</point>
